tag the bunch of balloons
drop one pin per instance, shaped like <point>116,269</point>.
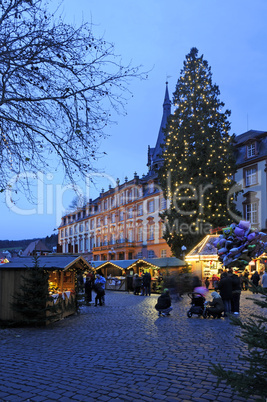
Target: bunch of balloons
<point>239,244</point>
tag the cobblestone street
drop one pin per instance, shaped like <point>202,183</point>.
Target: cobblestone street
<point>122,352</point>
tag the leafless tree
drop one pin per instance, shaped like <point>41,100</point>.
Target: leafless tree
<point>59,85</point>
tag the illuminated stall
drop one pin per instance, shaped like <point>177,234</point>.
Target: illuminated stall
<point>203,259</point>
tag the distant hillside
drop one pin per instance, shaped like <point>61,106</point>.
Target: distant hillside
<point>50,242</point>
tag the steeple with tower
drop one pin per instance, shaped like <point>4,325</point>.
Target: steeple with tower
<point>154,154</point>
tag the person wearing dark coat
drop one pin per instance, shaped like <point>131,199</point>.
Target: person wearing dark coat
<point>147,283</point>
<point>255,278</point>
<point>137,283</point>
<point>163,305</point>
<point>216,306</point>
<point>225,288</point>
<point>236,291</point>
<point>88,286</point>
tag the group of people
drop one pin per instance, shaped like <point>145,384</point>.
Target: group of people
<point>229,287</point>
<point>93,282</point>
<point>142,284</point>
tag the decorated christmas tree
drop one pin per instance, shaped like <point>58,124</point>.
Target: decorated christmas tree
<point>199,163</point>
<point>32,299</point>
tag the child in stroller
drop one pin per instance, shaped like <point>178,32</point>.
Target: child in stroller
<point>198,305</point>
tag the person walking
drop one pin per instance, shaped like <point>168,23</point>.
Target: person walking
<point>245,280</point>
<point>164,302</point>
<point>255,278</point>
<point>147,283</point>
<point>236,291</point>
<point>207,283</point>
<point>100,283</point>
<point>264,280</point>
<point>88,286</point>
<point>225,288</point>
<point>137,282</point>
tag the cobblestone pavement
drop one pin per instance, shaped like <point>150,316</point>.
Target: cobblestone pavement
<point>121,352</point>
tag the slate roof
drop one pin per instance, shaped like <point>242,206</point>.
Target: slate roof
<point>58,262</point>
<point>242,139</point>
<point>36,245</point>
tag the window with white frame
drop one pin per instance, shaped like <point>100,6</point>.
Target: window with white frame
<point>163,253</point>
<point>62,233</point>
<point>121,216</point>
<point>112,238</point>
<point>86,225</point>
<point>121,198</point>
<point>151,232</point>
<point>140,234</point>
<point>81,227</point>
<point>98,241</point>
<point>250,176</point>
<point>80,244</point>
<point>139,255</point>
<point>251,150</point>
<point>86,243</point>
<point>151,206</point>
<point>113,218</point>
<point>121,238</point>
<point>112,202</point>
<point>130,235</point>
<point>105,240</point>
<point>98,222</point>
<point>71,231</point>
<point>130,196</point>
<point>252,212</point>
<point>76,229</point>
<point>139,209</point>
<point>140,192</point>
<point>105,220</point>
<point>66,232</point>
<point>130,213</point>
<point>92,224</point>
<point>163,203</point>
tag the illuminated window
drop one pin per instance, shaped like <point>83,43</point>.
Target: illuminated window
<point>151,232</point>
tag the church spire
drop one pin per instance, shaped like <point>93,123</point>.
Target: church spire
<point>154,154</point>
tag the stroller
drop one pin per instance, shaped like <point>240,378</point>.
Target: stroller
<point>198,305</point>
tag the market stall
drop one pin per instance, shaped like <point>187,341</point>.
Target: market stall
<point>62,281</point>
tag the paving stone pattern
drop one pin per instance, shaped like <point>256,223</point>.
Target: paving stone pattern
<point>122,352</point>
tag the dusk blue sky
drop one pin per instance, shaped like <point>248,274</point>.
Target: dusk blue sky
<point>158,35</point>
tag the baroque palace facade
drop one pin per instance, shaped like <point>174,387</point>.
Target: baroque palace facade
<point>123,223</point>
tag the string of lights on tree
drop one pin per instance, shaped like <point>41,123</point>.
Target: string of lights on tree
<point>198,157</point>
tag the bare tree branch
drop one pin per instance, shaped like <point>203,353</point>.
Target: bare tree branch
<point>59,86</point>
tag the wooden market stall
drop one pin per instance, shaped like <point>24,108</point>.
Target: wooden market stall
<point>119,273</point>
<point>62,281</point>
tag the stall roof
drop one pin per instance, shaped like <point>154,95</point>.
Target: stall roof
<point>155,262</point>
<point>59,262</point>
<point>204,249</point>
